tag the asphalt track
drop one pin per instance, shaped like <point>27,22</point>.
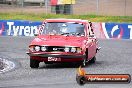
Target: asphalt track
<point>115,57</point>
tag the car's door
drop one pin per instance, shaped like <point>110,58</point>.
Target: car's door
<point>92,43</point>
<point>92,46</point>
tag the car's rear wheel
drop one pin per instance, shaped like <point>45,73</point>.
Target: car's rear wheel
<point>93,60</point>
<point>34,63</point>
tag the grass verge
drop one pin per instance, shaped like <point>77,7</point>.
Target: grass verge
<point>41,17</point>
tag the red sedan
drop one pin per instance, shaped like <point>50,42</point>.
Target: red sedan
<point>63,40</point>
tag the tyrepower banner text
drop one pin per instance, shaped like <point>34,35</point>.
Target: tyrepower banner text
<point>18,28</point>
<point>102,30</point>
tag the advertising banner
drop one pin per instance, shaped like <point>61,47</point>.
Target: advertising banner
<point>18,28</point>
<point>101,30</point>
<point>117,30</point>
<point>113,30</point>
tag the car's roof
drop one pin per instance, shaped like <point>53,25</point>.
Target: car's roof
<point>66,20</point>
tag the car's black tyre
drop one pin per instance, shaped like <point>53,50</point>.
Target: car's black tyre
<point>34,63</point>
<point>93,60</point>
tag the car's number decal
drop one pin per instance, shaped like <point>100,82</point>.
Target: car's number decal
<point>54,59</point>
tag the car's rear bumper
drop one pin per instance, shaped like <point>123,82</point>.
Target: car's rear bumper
<point>64,58</point>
